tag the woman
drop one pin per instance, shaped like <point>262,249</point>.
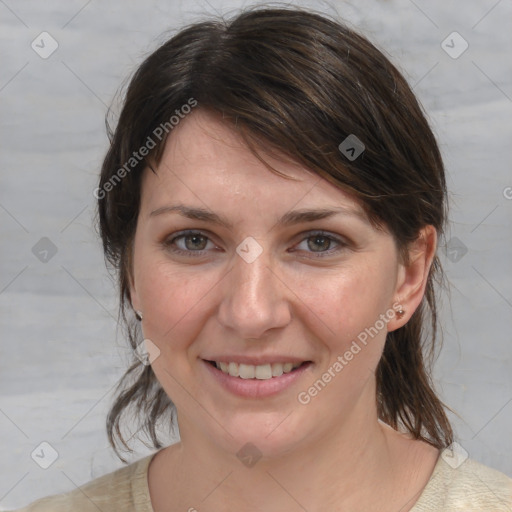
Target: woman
<point>272,199</point>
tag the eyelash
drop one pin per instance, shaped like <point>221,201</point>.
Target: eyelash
<point>168,243</point>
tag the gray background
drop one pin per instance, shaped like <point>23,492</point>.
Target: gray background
<point>61,354</point>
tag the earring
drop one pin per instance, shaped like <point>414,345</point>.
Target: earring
<point>400,313</point>
<point>138,315</point>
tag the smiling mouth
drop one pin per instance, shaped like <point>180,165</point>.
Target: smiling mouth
<point>260,372</point>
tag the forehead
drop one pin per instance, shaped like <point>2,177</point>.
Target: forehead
<point>206,163</point>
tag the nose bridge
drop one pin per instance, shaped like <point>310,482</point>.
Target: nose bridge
<point>253,299</point>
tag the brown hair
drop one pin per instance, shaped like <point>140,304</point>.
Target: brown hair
<point>301,83</point>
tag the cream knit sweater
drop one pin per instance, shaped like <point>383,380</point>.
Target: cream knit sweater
<point>469,487</point>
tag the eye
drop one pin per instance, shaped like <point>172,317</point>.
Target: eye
<point>189,243</point>
<point>196,243</point>
<point>319,243</point>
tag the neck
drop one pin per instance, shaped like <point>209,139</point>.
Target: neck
<point>349,466</point>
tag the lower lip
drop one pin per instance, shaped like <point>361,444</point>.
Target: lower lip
<point>256,388</point>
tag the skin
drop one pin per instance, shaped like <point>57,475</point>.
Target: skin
<point>331,454</point>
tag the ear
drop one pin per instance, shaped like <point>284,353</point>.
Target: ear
<point>413,276</point>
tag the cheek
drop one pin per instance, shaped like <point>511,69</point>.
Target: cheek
<point>347,302</point>
<point>348,308</point>
<point>175,302</point>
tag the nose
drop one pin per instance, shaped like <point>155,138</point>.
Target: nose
<point>255,299</point>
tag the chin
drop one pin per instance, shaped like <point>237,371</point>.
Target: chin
<point>260,435</point>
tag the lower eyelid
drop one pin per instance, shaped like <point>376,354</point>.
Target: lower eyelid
<point>328,237</point>
<point>170,242</point>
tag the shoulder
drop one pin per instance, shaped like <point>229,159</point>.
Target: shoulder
<point>462,484</point>
<point>124,489</point>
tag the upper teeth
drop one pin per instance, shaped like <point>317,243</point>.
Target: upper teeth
<point>262,371</point>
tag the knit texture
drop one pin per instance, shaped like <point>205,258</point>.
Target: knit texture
<point>468,487</point>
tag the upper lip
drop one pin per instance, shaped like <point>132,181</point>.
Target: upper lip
<point>255,361</point>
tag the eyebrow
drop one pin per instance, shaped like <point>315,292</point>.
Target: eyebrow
<point>288,219</point>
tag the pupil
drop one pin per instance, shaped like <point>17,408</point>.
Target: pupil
<point>325,245</point>
<point>194,239</point>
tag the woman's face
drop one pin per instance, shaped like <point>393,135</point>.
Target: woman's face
<point>254,279</point>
